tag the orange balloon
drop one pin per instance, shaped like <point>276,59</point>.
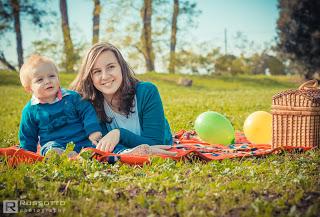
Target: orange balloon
<point>258,127</point>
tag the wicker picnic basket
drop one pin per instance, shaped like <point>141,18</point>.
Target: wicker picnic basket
<point>296,117</point>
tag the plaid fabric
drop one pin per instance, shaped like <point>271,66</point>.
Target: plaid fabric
<point>186,144</point>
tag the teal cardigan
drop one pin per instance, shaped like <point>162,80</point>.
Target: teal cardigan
<point>155,128</point>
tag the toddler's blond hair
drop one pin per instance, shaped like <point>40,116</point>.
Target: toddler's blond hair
<point>29,67</point>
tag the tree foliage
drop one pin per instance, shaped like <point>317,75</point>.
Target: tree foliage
<point>34,11</point>
<point>55,50</point>
<point>124,27</point>
<point>261,63</point>
<point>188,61</point>
<point>299,32</point>
<point>11,11</point>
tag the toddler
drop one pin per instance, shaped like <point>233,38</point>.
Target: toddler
<point>54,116</point>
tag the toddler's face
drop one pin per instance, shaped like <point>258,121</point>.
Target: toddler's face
<point>45,83</point>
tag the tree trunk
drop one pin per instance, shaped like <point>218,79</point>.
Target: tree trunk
<point>68,46</point>
<point>309,75</point>
<point>6,62</point>
<point>173,40</point>
<point>17,28</point>
<point>96,21</point>
<point>146,12</point>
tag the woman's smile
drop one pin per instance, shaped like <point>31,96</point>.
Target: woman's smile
<point>108,83</point>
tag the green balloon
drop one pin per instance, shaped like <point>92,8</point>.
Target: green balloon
<point>214,128</point>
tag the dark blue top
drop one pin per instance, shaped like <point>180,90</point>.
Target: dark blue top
<point>70,119</point>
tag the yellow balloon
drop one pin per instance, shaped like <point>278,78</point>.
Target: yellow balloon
<point>258,127</point>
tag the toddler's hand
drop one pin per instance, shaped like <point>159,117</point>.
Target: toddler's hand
<point>95,137</point>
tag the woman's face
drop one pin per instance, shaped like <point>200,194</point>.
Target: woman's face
<point>106,74</point>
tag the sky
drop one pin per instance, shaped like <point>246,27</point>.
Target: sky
<point>255,19</point>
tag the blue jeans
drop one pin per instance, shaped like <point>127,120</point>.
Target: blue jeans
<point>119,148</point>
<point>50,145</point>
<point>53,144</point>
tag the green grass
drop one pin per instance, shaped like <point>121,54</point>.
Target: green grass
<point>278,185</point>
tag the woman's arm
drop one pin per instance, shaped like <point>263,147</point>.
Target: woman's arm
<point>152,123</point>
<point>152,119</point>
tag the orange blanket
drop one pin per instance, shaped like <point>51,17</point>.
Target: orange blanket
<point>186,145</point>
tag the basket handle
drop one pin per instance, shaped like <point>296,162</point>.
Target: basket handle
<point>312,84</point>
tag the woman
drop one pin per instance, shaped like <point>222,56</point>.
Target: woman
<point>130,111</point>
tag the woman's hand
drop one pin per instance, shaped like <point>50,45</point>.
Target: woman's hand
<point>109,141</point>
<point>145,149</point>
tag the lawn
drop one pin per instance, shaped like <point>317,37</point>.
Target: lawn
<point>287,184</point>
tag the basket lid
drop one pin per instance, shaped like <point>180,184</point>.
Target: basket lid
<point>310,90</point>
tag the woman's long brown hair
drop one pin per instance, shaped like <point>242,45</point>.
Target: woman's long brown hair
<point>83,83</point>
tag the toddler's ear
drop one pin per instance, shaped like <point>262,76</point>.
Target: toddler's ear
<point>28,89</point>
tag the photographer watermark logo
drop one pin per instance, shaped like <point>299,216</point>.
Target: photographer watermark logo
<point>33,206</point>
<point>10,206</point>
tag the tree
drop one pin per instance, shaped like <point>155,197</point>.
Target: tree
<point>124,30</point>
<point>299,32</point>
<point>203,63</point>
<point>263,62</point>
<point>123,16</point>
<point>17,28</point>
<point>173,39</point>
<point>53,48</point>
<point>127,31</point>
<point>6,62</point>
<point>146,39</point>
<point>185,8</point>
<point>11,12</point>
<point>224,64</point>
<point>68,45</point>
<point>96,21</point>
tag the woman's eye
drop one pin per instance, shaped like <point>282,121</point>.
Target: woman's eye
<point>39,80</point>
<point>110,67</point>
<point>52,76</point>
<point>96,72</point>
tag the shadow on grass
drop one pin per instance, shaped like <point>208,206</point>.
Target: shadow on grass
<point>258,81</point>
<point>220,82</point>
<point>247,82</point>
<point>9,78</point>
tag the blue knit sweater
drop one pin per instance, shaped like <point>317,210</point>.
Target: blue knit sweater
<point>154,126</point>
<point>69,120</point>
